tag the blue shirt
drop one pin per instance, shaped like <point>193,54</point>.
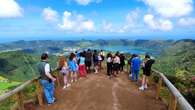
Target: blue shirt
<point>135,63</point>
<point>82,61</point>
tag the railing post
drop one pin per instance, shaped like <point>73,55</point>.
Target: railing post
<point>158,88</point>
<point>173,102</point>
<point>39,93</point>
<point>20,100</point>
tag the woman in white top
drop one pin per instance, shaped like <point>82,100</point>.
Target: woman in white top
<point>116,64</point>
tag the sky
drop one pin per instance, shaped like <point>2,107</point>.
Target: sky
<point>90,19</point>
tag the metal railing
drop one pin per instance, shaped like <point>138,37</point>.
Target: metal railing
<point>176,97</point>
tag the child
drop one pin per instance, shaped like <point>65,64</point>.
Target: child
<point>72,63</point>
<point>63,67</point>
<point>109,65</point>
<point>82,67</point>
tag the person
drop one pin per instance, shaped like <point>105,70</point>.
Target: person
<point>116,64</point>
<point>95,61</point>
<point>109,65</point>
<point>102,58</point>
<point>63,67</point>
<point>99,61</point>
<point>122,62</point>
<point>135,64</point>
<point>73,67</point>
<point>129,62</point>
<point>46,79</point>
<point>88,60</point>
<point>81,63</point>
<point>146,66</point>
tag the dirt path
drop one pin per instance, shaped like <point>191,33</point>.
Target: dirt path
<point>97,92</point>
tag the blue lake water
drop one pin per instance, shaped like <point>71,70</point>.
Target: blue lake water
<point>129,49</point>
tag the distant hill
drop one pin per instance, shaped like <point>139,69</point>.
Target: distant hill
<point>178,57</point>
<point>58,46</point>
<point>20,66</point>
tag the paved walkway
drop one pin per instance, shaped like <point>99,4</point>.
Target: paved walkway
<point>97,92</point>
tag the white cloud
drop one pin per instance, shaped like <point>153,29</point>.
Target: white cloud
<point>10,9</point>
<point>171,8</point>
<point>86,2</point>
<point>76,23</point>
<point>50,14</point>
<point>131,21</point>
<point>107,26</point>
<point>186,21</point>
<point>158,24</point>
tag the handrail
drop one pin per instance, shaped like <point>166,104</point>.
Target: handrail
<point>179,97</point>
<point>16,90</point>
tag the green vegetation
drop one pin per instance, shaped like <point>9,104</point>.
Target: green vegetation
<point>178,64</point>
<point>20,66</point>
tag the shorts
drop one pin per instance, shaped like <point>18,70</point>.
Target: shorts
<point>116,66</point>
<point>96,63</point>
<point>88,63</point>
<point>146,72</point>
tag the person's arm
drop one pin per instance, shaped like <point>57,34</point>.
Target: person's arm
<point>47,72</point>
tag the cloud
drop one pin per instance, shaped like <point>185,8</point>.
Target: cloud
<point>107,26</point>
<point>131,21</point>
<point>10,9</point>
<point>84,2</point>
<point>158,24</point>
<point>50,15</point>
<point>171,8</point>
<point>76,23</point>
<point>186,21</point>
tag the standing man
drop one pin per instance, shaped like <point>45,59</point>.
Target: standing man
<point>47,80</point>
<point>135,64</point>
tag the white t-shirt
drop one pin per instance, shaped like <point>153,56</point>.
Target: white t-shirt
<point>109,59</point>
<point>47,69</point>
<point>117,60</point>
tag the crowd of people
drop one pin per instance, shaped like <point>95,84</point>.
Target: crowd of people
<point>79,64</point>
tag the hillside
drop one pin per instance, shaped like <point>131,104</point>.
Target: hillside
<point>178,58</point>
<point>19,66</point>
<point>178,64</point>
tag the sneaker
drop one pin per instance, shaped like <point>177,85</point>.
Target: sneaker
<point>68,85</point>
<point>145,86</point>
<point>141,88</point>
<point>65,87</point>
<point>54,99</point>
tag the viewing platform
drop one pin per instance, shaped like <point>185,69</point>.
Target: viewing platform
<point>98,92</point>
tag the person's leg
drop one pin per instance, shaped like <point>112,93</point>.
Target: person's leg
<point>72,76</point>
<point>65,80</point>
<point>146,82</point>
<point>133,73</point>
<point>52,90</point>
<point>85,72</point>
<point>108,69</point>
<point>76,76</point>
<point>46,87</point>
<point>81,70</point>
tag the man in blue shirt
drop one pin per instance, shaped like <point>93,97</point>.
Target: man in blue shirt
<point>135,66</point>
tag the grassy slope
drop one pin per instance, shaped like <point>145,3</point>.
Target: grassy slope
<point>19,66</point>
